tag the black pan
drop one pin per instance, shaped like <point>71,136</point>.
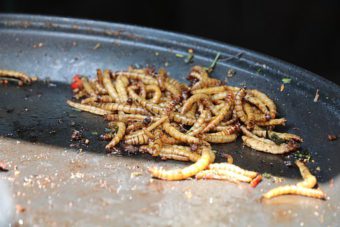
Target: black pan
<point>35,122</point>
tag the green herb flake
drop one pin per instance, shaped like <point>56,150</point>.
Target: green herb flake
<point>179,55</point>
<point>267,175</point>
<point>94,133</point>
<point>286,80</point>
<point>213,64</point>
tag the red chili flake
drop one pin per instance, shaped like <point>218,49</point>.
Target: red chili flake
<point>256,181</point>
<point>76,82</point>
<point>3,167</point>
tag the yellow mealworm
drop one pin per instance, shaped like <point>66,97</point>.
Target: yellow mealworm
<point>189,171</point>
<point>87,108</point>
<point>152,107</point>
<point>193,99</point>
<point>250,115</point>
<point>233,168</point>
<point>294,190</point>
<point>128,117</point>
<point>239,107</point>
<point>15,74</point>
<point>121,89</point>
<point>272,122</point>
<point>89,100</point>
<point>309,180</point>
<point>109,86</point>
<point>133,109</point>
<point>87,87</point>
<point>271,134</point>
<point>139,139</point>
<point>267,101</point>
<point>173,90</point>
<point>192,112</point>
<point>219,96</point>
<point>210,90</point>
<point>258,103</point>
<point>222,174</point>
<point>179,118</point>
<point>217,119</point>
<point>169,140</point>
<point>146,79</point>
<point>219,138</point>
<point>119,135</point>
<point>199,124</point>
<point>133,126</point>
<point>260,145</point>
<point>157,94</point>
<point>172,131</point>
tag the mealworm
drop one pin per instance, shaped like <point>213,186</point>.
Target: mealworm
<point>146,79</point>
<point>87,108</point>
<point>157,94</point>
<point>294,190</point>
<point>87,87</point>
<point>250,115</point>
<point>210,90</point>
<point>109,86</point>
<point>169,140</point>
<point>189,171</point>
<point>173,90</point>
<point>271,134</point>
<point>217,119</point>
<point>309,180</point>
<point>121,89</point>
<point>182,119</point>
<point>133,109</point>
<point>199,124</point>
<point>133,126</point>
<point>219,138</point>
<point>258,103</point>
<point>153,108</point>
<point>222,174</point>
<point>267,101</point>
<point>128,117</point>
<point>219,96</point>
<point>233,168</point>
<point>193,99</point>
<point>177,151</point>
<point>239,107</point>
<point>89,100</point>
<point>172,131</point>
<point>15,74</point>
<point>192,112</point>
<point>119,135</point>
<point>272,122</point>
<point>139,139</point>
<point>272,148</point>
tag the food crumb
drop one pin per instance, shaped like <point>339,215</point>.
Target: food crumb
<point>282,87</point>
<point>317,96</point>
<point>135,174</point>
<point>332,137</point>
<point>231,73</point>
<point>3,167</point>
<point>96,46</point>
<point>19,208</point>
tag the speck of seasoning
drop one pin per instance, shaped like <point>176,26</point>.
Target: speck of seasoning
<point>96,46</point>
<point>317,96</point>
<point>286,80</point>
<point>156,53</point>
<point>282,87</point>
<point>231,73</point>
<point>166,64</point>
<point>331,137</point>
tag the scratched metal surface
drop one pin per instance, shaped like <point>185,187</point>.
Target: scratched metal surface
<point>59,185</point>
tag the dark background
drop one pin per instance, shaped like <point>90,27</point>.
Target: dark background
<point>305,33</point>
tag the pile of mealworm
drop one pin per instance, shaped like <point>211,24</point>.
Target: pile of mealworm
<point>169,119</point>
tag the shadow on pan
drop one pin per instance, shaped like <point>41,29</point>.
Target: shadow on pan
<point>61,48</point>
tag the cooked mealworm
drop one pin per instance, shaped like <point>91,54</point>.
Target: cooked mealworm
<point>272,122</point>
<point>193,99</point>
<point>219,138</point>
<point>105,99</point>
<point>109,86</point>
<point>233,168</point>
<point>219,96</point>
<point>180,86</point>
<point>199,124</point>
<point>182,119</point>
<point>192,112</point>
<point>172,131</point>
<point>15,74</point>
<point>173,90</point>
<point>133,126</point>
<point>258,103</point>
<point>217,119</point>
<point>79,94</point>
<point>119,135</point>
<point>89,100</point>
<point>146,79</point>
<point>232,120</point>
<point>169,140</point>
<point>210,90</point>
<point>258,144</point>
<point>139,139</point>
<point>153,108</point>
<point>239,107</point>
<point>222,174</point>
<point>121,88</point>
<point>267,101</point>
<point>309,180</point>
<point>128,117</point>
<point>133,109</point>
<point>157,94</point>
<point>177,151</point>
<point>294,190</point>
<point>87,87</point>
<point>87,108</point>
<point>250,115</point>
<point>189,171</point>
<point>271,134</point>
